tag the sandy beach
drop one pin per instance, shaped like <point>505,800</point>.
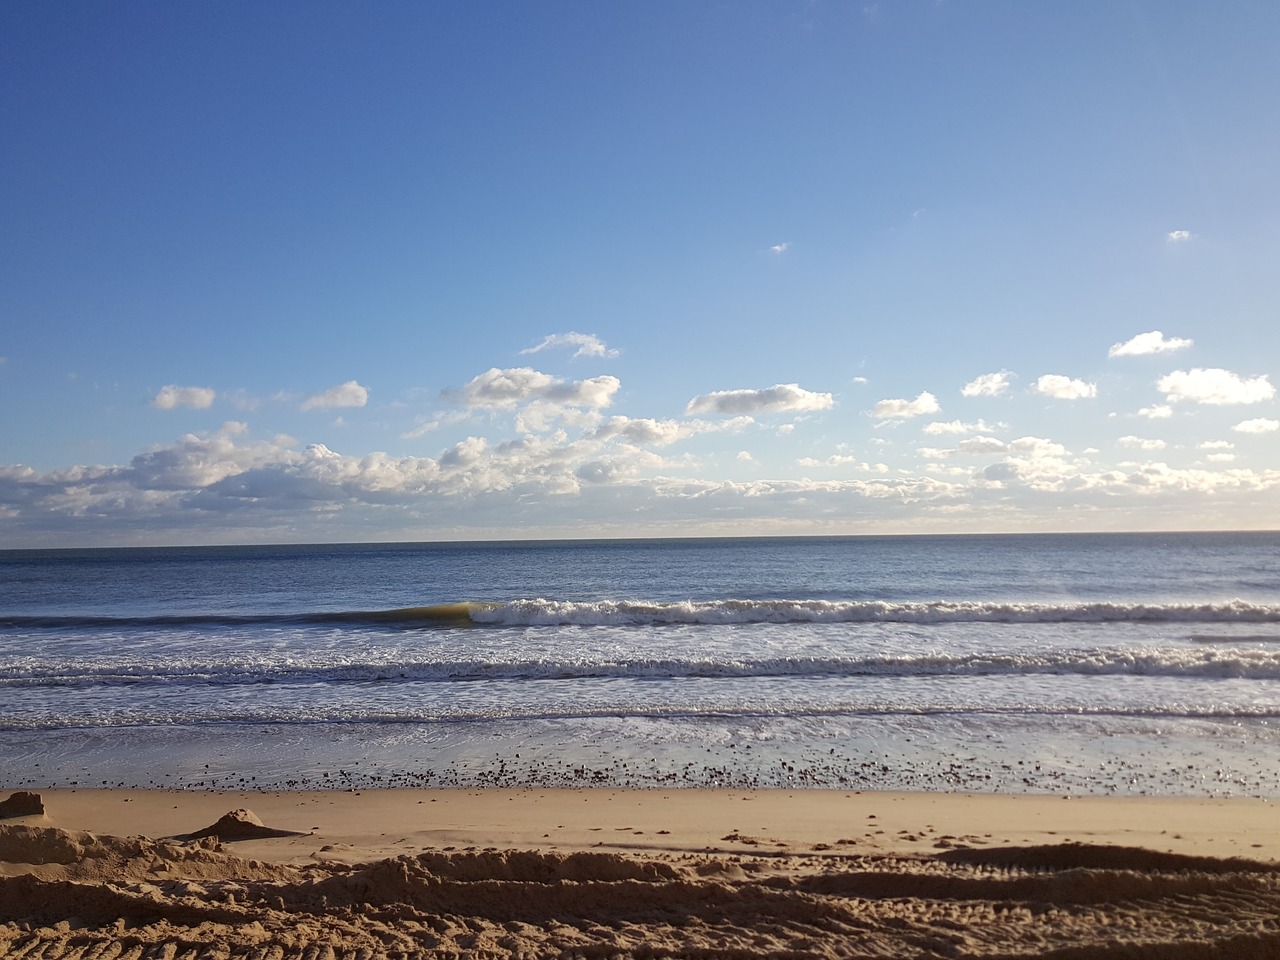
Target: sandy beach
<point>604,872</point>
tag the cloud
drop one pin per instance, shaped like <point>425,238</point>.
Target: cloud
<point>780,398</point>
<point>349,394</point>
<point>939,427</point>
<point>1178,236</point>
<point>779,248</point>
<point>497,389</point>
<point>745,456</point>
<point>925,403</point>
<point>1260,425</point>
<point>1141,443</point>
<point>987,385</point>
<point>1064,388</point>
<point>835,460</point>
<point>1214,386</point>
<point>587,344</point>
<point>172,396</point>
<point>1160,411</point>
<point>1217,445</point>
<point>1147,343</point>
<point>1032,447</point>
<point>661,433</point>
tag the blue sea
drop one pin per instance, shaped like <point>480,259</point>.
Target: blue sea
<point>1076,664</point>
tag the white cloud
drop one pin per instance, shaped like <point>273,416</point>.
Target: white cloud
<point>925,403</point>
<point>1178,236</point>
<point>1141,443</point>
<point>780,247</point>
<point>988,385</point>
<point>1217,445</point>
<point>780,398</point>
<point>587,344</point>
<point>982,445</point>
<point>504,389</point>
<point>1260,425</point>
<point>349,394</point>
<point>1064,388</point>
<point>172,396</point>
<point>1160,411</point>
<point>745,456</point>
<point>835,460</point>
<point>1214,386</point>
<point>939,427</point>
<point>1220,457</point>
<point>1148,343</point>
<point>661,433</point>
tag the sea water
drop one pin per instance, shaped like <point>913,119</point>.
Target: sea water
<point>1077,664</point>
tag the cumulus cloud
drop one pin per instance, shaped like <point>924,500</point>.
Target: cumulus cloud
<point>1141,443</point>
<point>1064,388</point>
<point>1159,411</point>
<point>172,396</point>
<point>349,394</point>
<point>1147,343</point>
<point>1260,425</point>
<point>662,433</point>
<point>780,247</point>
<point>497,389</point>
<point>835,460</point>
<point>988,385</point>
<point>1033,447</point>
<point>583,344</point>
<point>939,427</point>
<point>1217,445</point>
<point>780,398</point>
<point>1214,386</point>
<point>1178,236</point>
<point>899,409</point>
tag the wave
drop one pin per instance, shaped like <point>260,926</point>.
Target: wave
<point>442,614</point>
<point>303,716</point>
<point>542,612</point>
<point>1151,662</point>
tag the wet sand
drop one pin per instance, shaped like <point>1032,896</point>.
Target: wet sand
<point>638,873</point>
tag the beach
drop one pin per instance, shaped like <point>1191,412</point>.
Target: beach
<point>1037,746</point>
<point>615,872</point>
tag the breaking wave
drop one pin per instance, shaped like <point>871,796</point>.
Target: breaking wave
<point>542,612</point>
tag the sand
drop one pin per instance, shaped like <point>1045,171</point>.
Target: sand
<point>102,875</point>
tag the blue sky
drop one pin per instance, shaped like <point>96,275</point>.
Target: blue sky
<point>308,271</point>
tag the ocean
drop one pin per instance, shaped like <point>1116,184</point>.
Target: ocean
<point>1110,664</point>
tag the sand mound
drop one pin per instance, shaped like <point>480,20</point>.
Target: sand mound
<point>94,896</point>
<point>239,824</point>
<point>21,804</point>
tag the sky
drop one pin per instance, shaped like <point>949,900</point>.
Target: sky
<point>304,272</point>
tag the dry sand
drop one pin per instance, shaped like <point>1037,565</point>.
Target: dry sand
<point>604,873</point>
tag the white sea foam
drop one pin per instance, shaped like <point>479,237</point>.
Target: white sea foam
<point>542,612</point>
<point>1250,664</point>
